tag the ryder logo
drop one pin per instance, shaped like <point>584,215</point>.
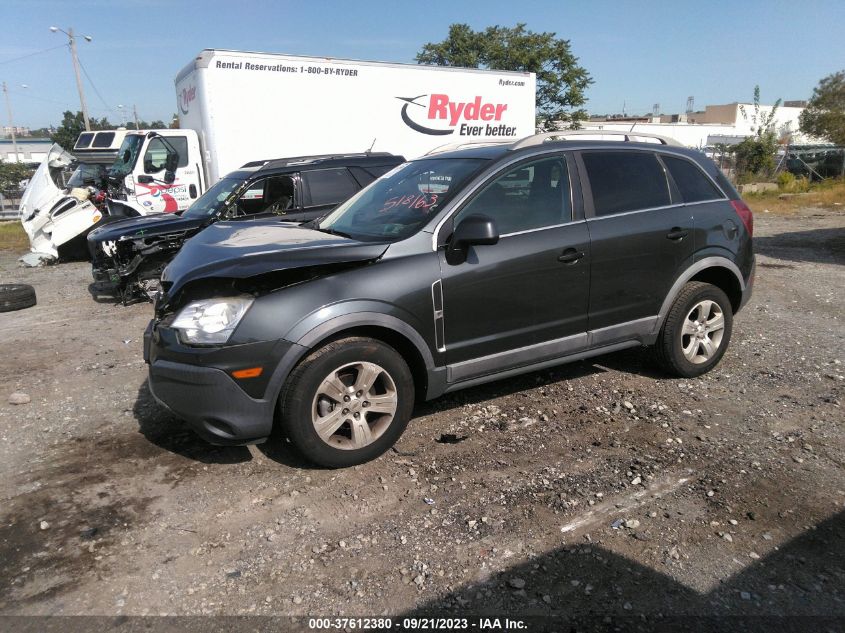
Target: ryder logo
<point>185,98</point>
<point>455,115</point>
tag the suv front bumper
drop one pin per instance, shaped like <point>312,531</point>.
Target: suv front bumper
<point>195,384</point>
<point>209,400</point>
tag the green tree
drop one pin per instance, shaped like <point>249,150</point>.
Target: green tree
<point>755,156</point>
<point>12,173</point>
<point>825,114</point>
<point>41,132</point>
<point>73,124</point>
<point>561,81</point>
<point>761,123</point>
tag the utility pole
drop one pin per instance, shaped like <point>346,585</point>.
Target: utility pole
<point>135,114</point>
<point>11,123</point>
<point>72,44</point>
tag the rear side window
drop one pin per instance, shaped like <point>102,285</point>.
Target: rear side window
<point>103,139</point>
<point>625,181</point>
<point>84,140</point>
<point>692,183</point>
<point>363,177</point>
<point>329,186</point>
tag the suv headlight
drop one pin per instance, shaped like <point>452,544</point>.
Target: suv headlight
<point>211,321</point>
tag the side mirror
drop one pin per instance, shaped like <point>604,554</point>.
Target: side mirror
<point>144,179</point>
<point>171,162</point>
<point>169,176</point>
<point>473,230</point>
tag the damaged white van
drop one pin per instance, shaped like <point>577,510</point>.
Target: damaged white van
<point>57,218</point>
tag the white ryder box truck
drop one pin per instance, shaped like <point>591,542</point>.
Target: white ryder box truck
<point>238,107</point>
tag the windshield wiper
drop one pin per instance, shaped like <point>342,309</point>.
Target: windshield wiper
<point>334,232</point>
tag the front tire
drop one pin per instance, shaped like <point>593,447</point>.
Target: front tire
<point>696,332</point>
<point>347,402</point>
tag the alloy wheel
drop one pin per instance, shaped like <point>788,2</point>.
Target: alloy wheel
<point>354,405</point>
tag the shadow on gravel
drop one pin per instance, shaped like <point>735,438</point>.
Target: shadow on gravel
<point>597,589</point>
<point>100,295</point>
<point>281,451</point>
<point>164,430</point>
<point>826,246</point>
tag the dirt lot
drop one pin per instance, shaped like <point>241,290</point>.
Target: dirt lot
<point>732,485</point>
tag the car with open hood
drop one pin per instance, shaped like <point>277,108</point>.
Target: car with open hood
<point>454,269</point>
<point>128,255</point>
<point>66,198</point>
<point>55,216</point>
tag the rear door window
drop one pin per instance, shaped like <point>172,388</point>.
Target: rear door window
<point>625,181</point>
<point>329,186</point>
<point>692,183</point>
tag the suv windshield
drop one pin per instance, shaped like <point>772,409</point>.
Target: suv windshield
<point>215,199</point>
<point>402,201</point>
<point>126,155</point>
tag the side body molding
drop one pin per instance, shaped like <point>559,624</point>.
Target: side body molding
<point>689,273</point>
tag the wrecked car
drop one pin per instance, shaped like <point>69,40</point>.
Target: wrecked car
<point>57,217</point>
<point>128,255</point>
<point>58,210</point>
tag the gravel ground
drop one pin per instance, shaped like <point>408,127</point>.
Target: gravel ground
<point>597,487</point>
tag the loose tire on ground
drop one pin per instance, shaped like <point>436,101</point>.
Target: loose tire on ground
<point>359,393</point>
<point>696,332</point>
<point>16,297</point>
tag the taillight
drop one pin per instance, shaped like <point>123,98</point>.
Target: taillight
<point>745,215</point>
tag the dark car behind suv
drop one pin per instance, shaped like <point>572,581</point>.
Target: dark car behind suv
<point>454,269</point>
<point>128,255</point>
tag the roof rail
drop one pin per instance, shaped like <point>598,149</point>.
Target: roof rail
<point>539,139</point>
<point>453,146</point>
<point>296,160</point>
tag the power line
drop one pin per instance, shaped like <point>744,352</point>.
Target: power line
<point>46,50</point>
<point>64,104</point>
<point>103,101</point>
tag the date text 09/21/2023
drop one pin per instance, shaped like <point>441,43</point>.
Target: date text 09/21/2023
<point>416,624</point>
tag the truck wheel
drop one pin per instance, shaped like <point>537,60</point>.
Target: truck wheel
<point>347,402</point>
<point>16,297</point>
<point>696,331</point>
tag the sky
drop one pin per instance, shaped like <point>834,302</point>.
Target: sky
<point>638,53</point>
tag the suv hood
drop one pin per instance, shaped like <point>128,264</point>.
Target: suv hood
<point>239,250</point>
<point>144,226</point>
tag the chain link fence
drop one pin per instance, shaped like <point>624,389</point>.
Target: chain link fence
<point>10,201</point>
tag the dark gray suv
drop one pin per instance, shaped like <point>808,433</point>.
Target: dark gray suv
<point>451,270</point>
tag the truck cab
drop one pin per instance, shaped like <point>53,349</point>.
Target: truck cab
<point>156,171</point>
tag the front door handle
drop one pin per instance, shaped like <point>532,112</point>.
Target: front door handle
<point>570,256</point>
<point>677,233</point>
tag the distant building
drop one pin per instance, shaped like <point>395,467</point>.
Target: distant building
<point>729,124</point>
<point>30,150</point>
<point>19,131</point>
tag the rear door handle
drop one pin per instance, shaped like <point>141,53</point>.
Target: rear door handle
<point>677,233</point>
<point>570,256</point>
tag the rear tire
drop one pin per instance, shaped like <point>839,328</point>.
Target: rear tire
<point>347,402</point>
<point>16,297</point>
<point>696,332</point>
